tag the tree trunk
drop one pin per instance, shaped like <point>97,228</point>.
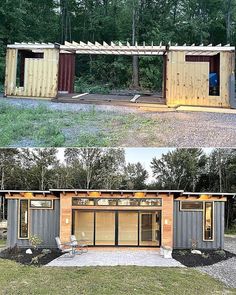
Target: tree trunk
<point>220,171</point>
<point>135,77</point>
<point>2,199</point>
<point>228,20</point>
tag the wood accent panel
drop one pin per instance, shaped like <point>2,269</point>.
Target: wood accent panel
<point>120,208</point>
<point>116,195</point>
<point>34,197</point>
<point>65,217</point>
<point>197,198</point>
<point>167,221</point>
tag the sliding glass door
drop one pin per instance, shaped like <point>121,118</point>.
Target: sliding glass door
<point>83,226</point>
<point>149,229</point>
<point>105,228</point>
<point>118,228</point>
<point>128,228</point>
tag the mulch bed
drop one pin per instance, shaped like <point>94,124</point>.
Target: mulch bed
<point>208,257</point>
<point>37,258</point>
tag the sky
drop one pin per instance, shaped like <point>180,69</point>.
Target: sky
<point>142,155</point>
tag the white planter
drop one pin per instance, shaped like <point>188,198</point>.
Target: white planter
<point>166,252</point>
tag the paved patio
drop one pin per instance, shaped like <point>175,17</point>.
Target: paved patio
<point>117,257</point>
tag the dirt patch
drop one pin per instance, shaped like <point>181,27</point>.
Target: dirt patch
<point>208,257</point>
<point>38,257</point>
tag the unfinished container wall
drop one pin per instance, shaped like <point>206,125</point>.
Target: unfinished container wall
<point>66,72</point>
<point>40,75</point>
<point>188,82</point>
<point>10,72</point>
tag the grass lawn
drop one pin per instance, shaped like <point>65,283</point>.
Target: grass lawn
<point>41,126</point>
<point>19,279</point>
<point>231,231</point>
<point>2,243</point>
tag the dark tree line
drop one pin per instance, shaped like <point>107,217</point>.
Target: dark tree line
<point>178,21</point>
<point>182,169</point>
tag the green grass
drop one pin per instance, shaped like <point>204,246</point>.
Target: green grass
<point>231,231</point>
<point>2,243</point>
<point>52,128</point>
<point>18,279</point>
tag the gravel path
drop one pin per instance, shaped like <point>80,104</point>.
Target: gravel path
<point>71,107</point>
<point>224,271</point>
<point>172,129</point>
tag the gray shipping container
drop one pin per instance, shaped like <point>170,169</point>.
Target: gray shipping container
<point>43,223</point>
<point>188,226</point>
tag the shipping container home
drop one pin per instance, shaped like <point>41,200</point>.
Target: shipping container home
<point>192,75</point>
<point>115,218</point>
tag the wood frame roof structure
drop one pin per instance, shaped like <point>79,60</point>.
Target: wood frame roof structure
<point>121,49</point>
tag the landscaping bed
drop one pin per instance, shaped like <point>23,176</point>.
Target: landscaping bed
<point>207,257</point>
<point>38,257</point>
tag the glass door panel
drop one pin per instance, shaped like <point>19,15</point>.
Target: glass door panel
<point>128,228</point>
<point>105,228</point>
<point>84,226</point>
<point>149,229</point>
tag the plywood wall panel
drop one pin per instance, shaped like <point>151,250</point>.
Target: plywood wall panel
<point>188,82</point>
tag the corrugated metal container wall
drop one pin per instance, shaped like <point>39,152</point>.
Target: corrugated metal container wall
<point>188,226</point>
<point>66,72</point>
<point>40,75</point>
<point>43,223</point>
<point>188,82</point>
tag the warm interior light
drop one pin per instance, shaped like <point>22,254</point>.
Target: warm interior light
<point>204,197</point>
<point>28,195</point>
<point>94,194</point>
<point>139,195</point>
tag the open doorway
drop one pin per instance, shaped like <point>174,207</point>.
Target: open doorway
<point>109,78</point>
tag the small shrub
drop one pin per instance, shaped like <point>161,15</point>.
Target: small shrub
<point>183,252</point>
<point>35,260</point>
<point>193,244</point>
<point>35,241</point>
<point>205,255</point>
<point>221,253</point>
<point>46,251</point>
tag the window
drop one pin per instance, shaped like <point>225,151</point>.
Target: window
<point>150,202</point>
<point>116,202</point>
<point>23,219</point>
<point>191,205</point>
<point>41,204</point>
<point>106,202</point>
<point>208,221</point>
<point>128,202</point>
<point>82,202</point>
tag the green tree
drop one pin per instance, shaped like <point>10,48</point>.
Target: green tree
<point>179,169</point>
<point>135,176</point>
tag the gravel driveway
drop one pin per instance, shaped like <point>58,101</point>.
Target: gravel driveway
<point>172,129</point>
<point>224,271</point>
